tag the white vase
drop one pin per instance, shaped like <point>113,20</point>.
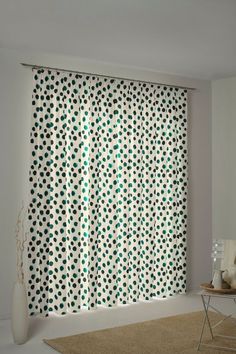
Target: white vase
<point>19,317</point>
<point>217,279</point>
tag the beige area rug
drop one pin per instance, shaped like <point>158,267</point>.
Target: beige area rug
<point>178,334</point>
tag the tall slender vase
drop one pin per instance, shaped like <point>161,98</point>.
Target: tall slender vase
<point>217,279</point>
<point>19,318</point>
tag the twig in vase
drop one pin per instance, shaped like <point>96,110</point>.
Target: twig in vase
<point>21,238</point>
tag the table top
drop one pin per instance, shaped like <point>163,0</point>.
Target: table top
<point>208,293</point>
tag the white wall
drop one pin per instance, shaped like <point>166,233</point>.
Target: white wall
<point>224,158</point>
<point>15,111</point>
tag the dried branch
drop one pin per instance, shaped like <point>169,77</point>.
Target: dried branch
<point>21,239</point>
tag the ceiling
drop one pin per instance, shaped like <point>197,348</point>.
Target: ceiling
<point>194,38</point>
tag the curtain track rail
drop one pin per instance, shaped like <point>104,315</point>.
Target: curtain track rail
<point>33,66</point>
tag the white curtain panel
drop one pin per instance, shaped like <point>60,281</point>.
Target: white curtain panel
<point>108,192</point>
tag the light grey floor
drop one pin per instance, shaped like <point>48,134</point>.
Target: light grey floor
<point>99,319</point>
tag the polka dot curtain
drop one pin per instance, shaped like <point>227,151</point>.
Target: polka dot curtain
<point>108,186</point>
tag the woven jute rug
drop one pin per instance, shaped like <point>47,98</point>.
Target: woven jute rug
<point>177,334</point>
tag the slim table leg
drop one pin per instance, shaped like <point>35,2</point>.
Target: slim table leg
<point>206,318</point>
<point>206,311</point>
